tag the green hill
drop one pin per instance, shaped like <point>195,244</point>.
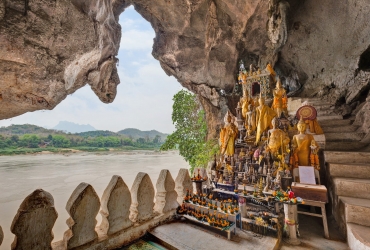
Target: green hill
<point>134,133</point>
<point>97,133</point>
<point>27,129</point>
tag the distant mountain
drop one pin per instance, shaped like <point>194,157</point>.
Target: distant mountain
<point>136,133</point>
<point>73,127</point>
<point>97,133</point>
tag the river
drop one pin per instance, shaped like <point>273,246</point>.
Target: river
<point>59,174</point>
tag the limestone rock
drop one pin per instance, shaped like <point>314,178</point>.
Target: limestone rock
<point>52,48</point>
<point>34,222</point>
<point>182,184</point>
<point>115,204</point>
<point>166,197</point>
<point>82,206</point>
<point>1,235</point>
<point>142,197</point>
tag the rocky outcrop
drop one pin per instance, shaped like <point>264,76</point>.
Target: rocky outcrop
<point>49,49</point>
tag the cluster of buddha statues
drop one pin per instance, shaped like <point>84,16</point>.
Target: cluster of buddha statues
<point>255,142</point>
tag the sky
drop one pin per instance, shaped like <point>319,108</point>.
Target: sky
<point>144,96</point>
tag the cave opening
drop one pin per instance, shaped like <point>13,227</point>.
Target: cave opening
<point>364,62</point>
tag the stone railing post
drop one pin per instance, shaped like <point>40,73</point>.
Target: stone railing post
<point>182,183</point>
<point>115,204</point>
<point>34,222</point>
<point>142,197</point>
<point>82,206</point>
<point>166,197</point>
<point>1,235</point>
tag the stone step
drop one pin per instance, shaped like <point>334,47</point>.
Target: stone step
<point>347,157</point>
<point>347,136</point>
<point>361,171</point>
<point>340,129</point>
<point>345,146</point>
<point>352,187</point>
<point>329,117</point>
<point>356,210</point>
<point>325,112</point>
<point>358,237</point>
<point>332,123</point>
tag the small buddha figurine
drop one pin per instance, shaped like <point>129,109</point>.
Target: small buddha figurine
<point>264,116</point>
<point>280,103</point>
<point>241,155</point>
<point>278,140</point>
<point>250,118</point>
<point>314,157</point>
<point>301,144</point>
<point>227,137</point>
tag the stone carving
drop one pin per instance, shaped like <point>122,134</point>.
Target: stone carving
<point>34,222</point>
<point>166,197</point>
<point>82,206</point>
<point>115,204</point>
<point>142,197</point>
<point>182,183</point>
<point>1,235</point>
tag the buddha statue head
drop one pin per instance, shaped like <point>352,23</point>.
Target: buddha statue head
<point>278,84</point>
<point>274,122</point>
<point>301,125</point>
<point>261,100</point>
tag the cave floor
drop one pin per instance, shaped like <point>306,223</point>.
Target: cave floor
<point>185,235</point>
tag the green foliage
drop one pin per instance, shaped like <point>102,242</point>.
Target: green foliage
<point>191,131</point>
<point>60,141</point>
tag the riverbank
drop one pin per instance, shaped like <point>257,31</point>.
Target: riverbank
<point>53,150</point>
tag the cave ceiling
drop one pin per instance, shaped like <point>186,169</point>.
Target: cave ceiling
<point>51,48</point>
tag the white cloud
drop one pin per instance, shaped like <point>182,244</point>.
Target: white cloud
<point>137,40</point>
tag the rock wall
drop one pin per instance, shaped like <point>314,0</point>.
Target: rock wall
<point>51,48</point>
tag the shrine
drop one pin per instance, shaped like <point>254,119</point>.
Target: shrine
<point>268,164</point>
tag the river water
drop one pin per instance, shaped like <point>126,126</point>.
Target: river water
<point>60,174</point>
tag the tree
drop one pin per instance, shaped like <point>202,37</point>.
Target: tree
<point>60,141</point>
<point>191,131</point>
<point>157,139</point>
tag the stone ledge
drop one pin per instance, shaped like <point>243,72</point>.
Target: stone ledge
<point>358,237</point>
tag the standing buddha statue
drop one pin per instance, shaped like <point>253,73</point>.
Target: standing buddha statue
<point>301,145</point>
<point>264,116</point>
<point>280,103</point>
<point>245,102</point>
<point>227,136</point>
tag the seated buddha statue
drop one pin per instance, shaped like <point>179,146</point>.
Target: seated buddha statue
<point>264,116</point>
<point>280,103</point>
<point>277,141</point>
<point>228,135</point>
<point>301,146</point>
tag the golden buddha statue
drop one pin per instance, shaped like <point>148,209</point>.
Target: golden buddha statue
<point>245,101</point>
<point>228,135</point>
<point>250,119</point>
<point>280,103</point>
<point>278,141</point>
<point>271,71</point>
<point>301,145</point>
<point>264,116</point>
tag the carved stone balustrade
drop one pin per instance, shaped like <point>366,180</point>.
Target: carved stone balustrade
<point>183,183</point>
<point>34,222</point>
<point>142,196</point>
<point>126,215</point>
<point>115,204</point>
<point>166,197</point>
<point>82,206</point>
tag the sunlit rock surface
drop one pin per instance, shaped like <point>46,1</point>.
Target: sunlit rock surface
<point>49,49</point>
